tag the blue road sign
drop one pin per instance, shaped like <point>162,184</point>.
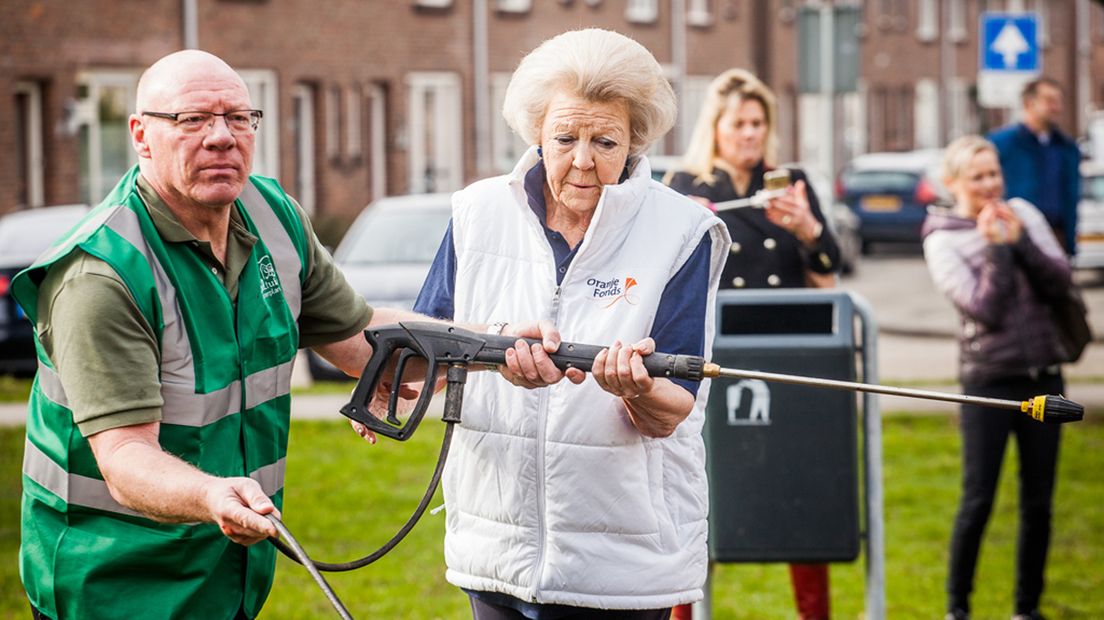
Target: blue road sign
<point>1009,42</point>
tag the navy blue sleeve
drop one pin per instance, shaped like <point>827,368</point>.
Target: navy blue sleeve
<point>436,298</point>
<point>679,325</point>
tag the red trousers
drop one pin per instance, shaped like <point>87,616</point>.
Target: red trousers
<point>810,587</point>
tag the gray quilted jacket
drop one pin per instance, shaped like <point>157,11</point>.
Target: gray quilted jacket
<point>1001,292</point>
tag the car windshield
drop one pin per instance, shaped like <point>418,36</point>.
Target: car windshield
<point>880,181</point>
<point>1092,188</point>
<point>397,236</point>
<point>23,239</point>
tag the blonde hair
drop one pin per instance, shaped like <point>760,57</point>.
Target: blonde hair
<point>735,84</point>
<point>961,152</point>
<point>596,65</point>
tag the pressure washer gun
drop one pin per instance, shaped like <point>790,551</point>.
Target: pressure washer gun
<point>438,345</point>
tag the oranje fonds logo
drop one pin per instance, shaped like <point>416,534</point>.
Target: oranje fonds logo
<point>612,290</point>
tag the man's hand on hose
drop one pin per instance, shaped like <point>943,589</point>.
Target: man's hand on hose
<point>529,366</point>
<point>236,506</point>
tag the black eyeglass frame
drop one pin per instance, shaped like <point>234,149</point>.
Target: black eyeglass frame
<point>256,115</point>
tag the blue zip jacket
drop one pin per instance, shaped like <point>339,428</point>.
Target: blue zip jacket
<point>1024,163</point>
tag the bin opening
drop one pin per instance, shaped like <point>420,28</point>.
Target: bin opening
<point>777,319</point>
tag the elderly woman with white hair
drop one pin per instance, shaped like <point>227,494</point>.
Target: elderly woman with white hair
<point>580,498</point>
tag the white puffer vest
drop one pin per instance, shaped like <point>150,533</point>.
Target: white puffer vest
<point>552,495</point>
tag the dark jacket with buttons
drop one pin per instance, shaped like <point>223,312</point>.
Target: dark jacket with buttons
<point>762,254</point>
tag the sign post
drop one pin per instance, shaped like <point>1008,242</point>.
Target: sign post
<point>1008,57</point>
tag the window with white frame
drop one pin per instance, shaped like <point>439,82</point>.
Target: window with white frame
<point>377,139</point>
<point>956,27</point>
<point>29,152</point>
<point>333,122</point>
<point>926,113</point>
<point>353,128</point>
<point>699,12</point>
<point>642,11</point>
<point>302,114</point>
<point>262,86</point>
<point>507,147</point>
<point>962,119</point>
<point>433,132</point>
<point>927,21</point>
<point>513,6</point>
<point>695,88</point>
<point>105,101</point>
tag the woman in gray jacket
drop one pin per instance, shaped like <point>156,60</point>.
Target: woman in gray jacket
<point>1000,265</point>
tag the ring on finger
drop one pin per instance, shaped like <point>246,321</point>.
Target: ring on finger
<point>787,219</point>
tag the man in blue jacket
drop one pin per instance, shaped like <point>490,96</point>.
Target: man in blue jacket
<point>1040,163</point>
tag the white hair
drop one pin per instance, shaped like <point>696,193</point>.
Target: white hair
<point>596,65</point>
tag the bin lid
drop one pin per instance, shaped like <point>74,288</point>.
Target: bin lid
<point>785,319</point>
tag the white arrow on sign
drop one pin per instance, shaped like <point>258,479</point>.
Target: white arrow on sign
<point>1010,43</point>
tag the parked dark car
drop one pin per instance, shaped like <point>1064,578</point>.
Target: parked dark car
<point>386,255</point>
<point>890,193</point>
<point>24,235</point>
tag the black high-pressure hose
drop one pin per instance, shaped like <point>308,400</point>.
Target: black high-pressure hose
<point>456,375</point>
<point>338,567</point>
<point>297,553</point>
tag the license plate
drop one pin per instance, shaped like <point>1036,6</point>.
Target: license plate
<point>881,203</point>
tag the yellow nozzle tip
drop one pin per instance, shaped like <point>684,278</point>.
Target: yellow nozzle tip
<point>1038,407</point>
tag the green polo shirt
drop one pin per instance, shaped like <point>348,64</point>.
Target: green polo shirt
<point>107,355</point>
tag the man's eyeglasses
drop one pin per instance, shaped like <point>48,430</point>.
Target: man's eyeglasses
<point>238,121</point>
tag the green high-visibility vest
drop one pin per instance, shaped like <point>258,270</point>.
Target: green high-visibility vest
<point>226,382</point>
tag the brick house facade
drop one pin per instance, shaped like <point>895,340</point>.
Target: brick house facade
<point>365,98</point>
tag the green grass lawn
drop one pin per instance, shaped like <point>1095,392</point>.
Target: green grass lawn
<point>345,497</point>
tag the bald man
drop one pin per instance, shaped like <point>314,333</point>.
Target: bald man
<point>167,322</point>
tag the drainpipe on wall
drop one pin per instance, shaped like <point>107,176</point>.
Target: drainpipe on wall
<point>189,24</point>
<point>678,64</point>
<point>481,89</point>
<point>828,85</point>
<point>1084,49</point>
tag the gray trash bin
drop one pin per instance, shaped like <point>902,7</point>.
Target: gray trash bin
<point>783,459</point>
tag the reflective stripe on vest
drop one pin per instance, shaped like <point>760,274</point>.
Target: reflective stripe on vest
<point>280,246</point>
<point>77,490</point>
<point>197,409</point>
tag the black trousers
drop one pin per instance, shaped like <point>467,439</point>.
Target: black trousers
<point>984,435</point>
<point>482,610</point>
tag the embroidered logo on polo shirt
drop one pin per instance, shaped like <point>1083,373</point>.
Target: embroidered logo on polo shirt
<point>270,283</point>
<point>613,290</point>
